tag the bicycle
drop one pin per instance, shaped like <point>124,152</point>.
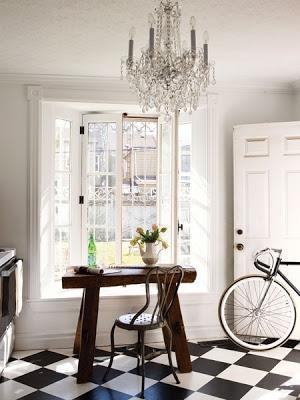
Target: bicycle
<point>256,311</point>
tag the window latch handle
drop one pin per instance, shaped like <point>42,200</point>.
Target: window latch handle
<point>179,227</point>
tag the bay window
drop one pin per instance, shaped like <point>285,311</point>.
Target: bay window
<point>107,174</point>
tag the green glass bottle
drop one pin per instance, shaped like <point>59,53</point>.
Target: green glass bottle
<point>92,250</point>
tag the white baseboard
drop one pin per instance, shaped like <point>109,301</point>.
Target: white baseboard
<point>65,340</point>
<point>45,324</point>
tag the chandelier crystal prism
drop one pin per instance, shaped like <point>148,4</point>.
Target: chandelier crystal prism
<point>167,76</point>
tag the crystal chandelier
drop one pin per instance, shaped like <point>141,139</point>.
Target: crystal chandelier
<point>167,76</point>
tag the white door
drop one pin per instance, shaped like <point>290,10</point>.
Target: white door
<point>267,194</point>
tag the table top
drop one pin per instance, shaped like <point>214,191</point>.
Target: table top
<point>124,275</point>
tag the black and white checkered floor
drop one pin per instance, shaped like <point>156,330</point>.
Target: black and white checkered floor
<point>220,371</point>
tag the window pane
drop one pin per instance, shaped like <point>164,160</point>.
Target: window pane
<point>101,205</point>
<point>62,183</point>
<point>62,198</point>
<point>61,251</point>
<point>62,214</point>
<point>101,189</point>
<point>62,145</point>
<point>62,187</point>
<point>139,183</point>
<point>102,147</point>
<point>184,192</point>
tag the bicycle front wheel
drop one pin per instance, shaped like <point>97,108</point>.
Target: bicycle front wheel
<point>257,315</point>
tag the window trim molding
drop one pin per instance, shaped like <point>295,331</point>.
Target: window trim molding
<point>35,95</point>
<point>213,178</point>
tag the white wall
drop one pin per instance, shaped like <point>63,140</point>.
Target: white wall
<point>13,168</point>
<point>296,105</point>
<point>45,324</point>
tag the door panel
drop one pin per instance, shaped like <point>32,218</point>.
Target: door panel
<point>257,206</point>
<point>292,209</point>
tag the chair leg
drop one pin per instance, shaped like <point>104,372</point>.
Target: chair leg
<point>142,334</point>
<point>112,349</point>
<point>139,352</point>
<point>169,347</point>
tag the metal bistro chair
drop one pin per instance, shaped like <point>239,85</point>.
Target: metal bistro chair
<point>167,281</point>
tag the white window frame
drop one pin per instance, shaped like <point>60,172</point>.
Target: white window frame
<point>51,113</point>
<point>94,118</point>
<point>185,120</point>
<point>171,125</point>
<point>103,92</point>
<point>118,119</point>
<point>71,184</point>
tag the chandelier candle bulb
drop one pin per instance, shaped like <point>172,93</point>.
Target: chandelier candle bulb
<point>151,21</point>
<point>151,41</point>
<point>193,36</point>
<point>205,47</point>
<point>130,49</point>
<point>193,42</point>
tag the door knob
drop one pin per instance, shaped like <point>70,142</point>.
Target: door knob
<point>240,246</point>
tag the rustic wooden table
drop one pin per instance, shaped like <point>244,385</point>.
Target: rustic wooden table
<point>85,336</point>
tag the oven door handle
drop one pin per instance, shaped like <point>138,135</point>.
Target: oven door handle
<point>7,273</point>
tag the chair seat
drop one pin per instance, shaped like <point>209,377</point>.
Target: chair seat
<point>144,320</point>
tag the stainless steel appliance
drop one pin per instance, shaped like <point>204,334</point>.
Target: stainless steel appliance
<point>11,284</point>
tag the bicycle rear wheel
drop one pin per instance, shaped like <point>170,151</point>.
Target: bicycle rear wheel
<point>253,327</point>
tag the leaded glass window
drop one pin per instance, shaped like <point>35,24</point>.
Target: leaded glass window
<point>121,184</point>
<point>62,187</point>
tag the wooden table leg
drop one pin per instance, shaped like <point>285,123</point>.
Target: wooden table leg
<point>88,334</point>
<point>76,347</point>
<point>180,345</point>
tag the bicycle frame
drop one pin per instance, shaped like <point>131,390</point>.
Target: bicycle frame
<point>276,271</point>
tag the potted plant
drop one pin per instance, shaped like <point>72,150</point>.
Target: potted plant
<point>150,243</point>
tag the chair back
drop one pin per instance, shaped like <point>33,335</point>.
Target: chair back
<point>167,281</point>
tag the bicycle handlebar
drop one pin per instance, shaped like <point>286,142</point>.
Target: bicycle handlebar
<point>263,266</point>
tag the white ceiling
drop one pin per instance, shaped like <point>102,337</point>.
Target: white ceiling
<point>249,39</point>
